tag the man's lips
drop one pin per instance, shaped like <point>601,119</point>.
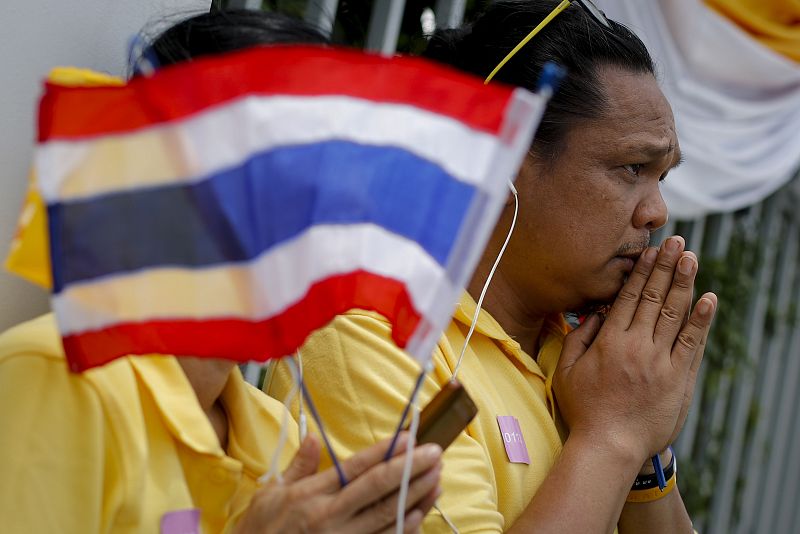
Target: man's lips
<point>629,259</point>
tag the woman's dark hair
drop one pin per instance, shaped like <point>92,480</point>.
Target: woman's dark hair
<point>221,31</point>
<point>573,40</point>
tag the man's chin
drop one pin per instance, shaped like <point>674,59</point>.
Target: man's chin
<point>599,303</point>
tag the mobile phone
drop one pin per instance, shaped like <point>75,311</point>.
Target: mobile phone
<point>446,415</point>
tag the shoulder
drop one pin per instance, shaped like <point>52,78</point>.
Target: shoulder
<point>362,323</point>
<point>58,441</point>
<point>362,327</point>
<point>32,362</point>
<point>32,353</point>
<point>40,398</point>
<point>35,338</point>
<point>359,341</point>
<point>355,335</point>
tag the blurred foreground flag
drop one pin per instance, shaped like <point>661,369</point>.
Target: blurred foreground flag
<point>230,206</point>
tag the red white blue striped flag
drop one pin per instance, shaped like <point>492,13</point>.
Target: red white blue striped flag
<point>230,206</point>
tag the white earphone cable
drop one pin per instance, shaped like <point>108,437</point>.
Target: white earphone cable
<point>274,468</point>
<point>488,281</point>
<point>406,480</point>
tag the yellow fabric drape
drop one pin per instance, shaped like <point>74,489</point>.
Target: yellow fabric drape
<point>776,23</point>
<point>29,256</point>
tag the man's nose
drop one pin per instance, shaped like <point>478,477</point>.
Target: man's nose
<point>651,213</point>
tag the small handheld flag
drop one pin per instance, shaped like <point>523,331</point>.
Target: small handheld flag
<point>230,206</point>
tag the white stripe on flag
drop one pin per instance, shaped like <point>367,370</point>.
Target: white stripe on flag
<point>257,290</point>
<point>225,136</point>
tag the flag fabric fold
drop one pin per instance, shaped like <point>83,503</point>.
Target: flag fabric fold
<point>229,206</point>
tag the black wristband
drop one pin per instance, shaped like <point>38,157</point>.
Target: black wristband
<point>645,482</point>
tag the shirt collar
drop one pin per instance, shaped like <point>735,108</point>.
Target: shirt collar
<point>172,393</point>
<point>553,332</point>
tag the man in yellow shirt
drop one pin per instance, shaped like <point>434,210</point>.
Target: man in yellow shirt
<point>170,444</point>
<point>562,440</point>
<point>360,403</point>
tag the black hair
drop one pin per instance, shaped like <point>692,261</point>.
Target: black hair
<point>220,31</point>
<point>573,40</point>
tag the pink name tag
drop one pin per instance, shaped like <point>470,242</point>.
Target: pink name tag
<point>181,522</point>
<point>511,434</point>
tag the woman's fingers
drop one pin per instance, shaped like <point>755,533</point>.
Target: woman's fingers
<point>367,504</point>
<point>627,301</point>
<point>305,463</point>
<point>429,500</point>
<point>383,513</point>
<point>364,460</point>
<point>678,301</point>
<point>384,479</point>
<point>655,291</point>
<point>328,480</point>
<point>411,524</point>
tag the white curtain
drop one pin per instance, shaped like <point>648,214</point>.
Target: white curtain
<point>736,104</point>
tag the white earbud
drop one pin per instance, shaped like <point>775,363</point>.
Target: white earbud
<point>511,186</point>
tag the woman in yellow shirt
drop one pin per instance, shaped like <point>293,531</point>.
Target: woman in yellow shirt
<point>176,444</point>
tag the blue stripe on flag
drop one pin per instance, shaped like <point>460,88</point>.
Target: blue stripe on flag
<point>237,214</point>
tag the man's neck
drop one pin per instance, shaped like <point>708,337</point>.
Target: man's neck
<point>507,308</point>
<point>208,378</point>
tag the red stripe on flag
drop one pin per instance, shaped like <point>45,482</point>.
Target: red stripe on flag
<point>241,340</point>
<point>179,91</point>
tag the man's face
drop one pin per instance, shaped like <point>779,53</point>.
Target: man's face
<point>586,217</point>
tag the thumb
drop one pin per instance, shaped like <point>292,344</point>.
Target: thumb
<point>305,462</point>
<point>577,342</point>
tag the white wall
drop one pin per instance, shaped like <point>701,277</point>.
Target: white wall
<point>36,36</point>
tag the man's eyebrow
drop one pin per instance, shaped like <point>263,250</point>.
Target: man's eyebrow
<point>679,160</point>
<point>658,151</point>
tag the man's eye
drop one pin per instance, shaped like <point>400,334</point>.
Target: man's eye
<point>633,168</point>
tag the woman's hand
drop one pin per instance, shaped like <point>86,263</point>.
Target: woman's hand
<point>307,501</point>
<point>628,384</point>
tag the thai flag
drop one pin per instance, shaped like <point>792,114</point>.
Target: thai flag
<point>229,206</point>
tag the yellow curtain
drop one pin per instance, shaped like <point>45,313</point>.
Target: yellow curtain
<point>776,23</point>
<point>29,256</point>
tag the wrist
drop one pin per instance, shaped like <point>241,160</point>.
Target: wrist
<point>652,487</point>
<point>611,447</point>
<point>647,466</point>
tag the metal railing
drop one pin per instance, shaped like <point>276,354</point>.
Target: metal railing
<point>740,472</point>
<point>744,425</point>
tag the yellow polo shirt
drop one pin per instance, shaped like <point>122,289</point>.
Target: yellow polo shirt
<point>360,381</point>
<point>121,447</point>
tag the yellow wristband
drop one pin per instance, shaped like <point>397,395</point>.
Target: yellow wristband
<point>653,494</point>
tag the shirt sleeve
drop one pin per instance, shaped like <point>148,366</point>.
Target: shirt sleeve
<point>360,382</point>
<point>52,448</point>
